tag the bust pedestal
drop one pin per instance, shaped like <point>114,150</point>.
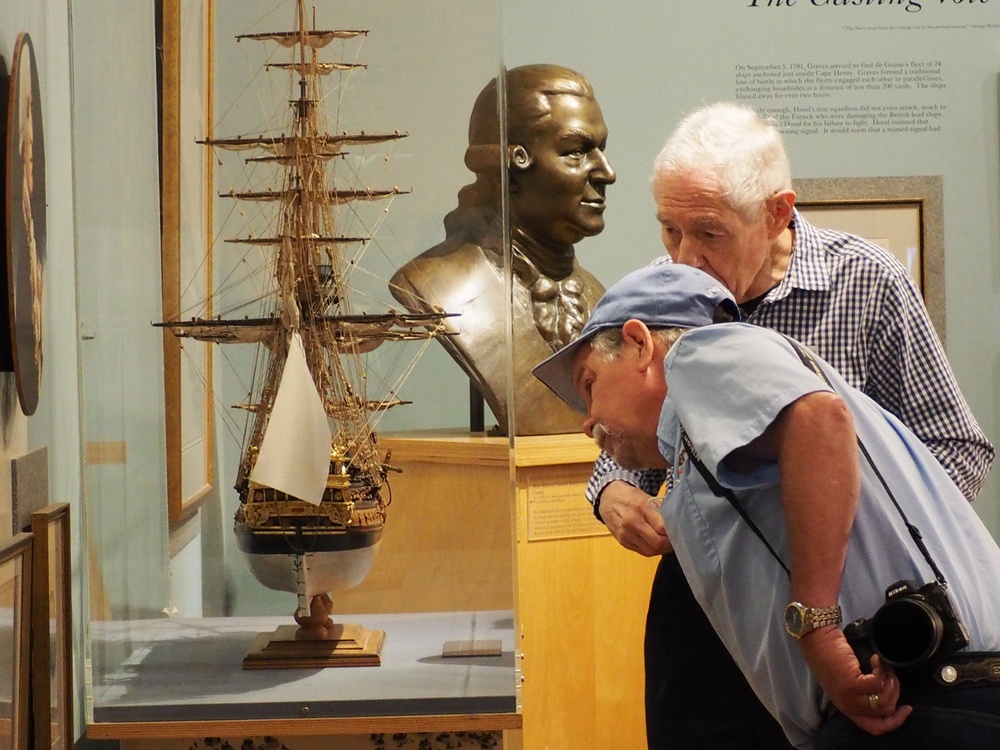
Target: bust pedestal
<point>581,598</point>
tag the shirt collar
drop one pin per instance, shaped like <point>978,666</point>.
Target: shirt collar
<point>668,433</point>
<point>806,269</point>
<point>668,429</point>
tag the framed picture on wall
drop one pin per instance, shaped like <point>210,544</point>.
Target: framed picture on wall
<point>891,224</point>
<point>186,261</point>
<point>51,629</point>
<point>904,215</point>
<point>15,623</point>
<point>25,222</point>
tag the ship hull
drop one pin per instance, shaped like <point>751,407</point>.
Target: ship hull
<point>330,546</point>
<point>322,572</point>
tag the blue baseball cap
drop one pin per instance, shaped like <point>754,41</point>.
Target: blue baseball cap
<point>662,295</point>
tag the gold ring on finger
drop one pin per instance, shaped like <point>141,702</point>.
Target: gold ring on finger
<point>873,701</point>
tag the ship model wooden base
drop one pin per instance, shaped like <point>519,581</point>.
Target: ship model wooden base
<point>316,642</point>
<point>349,645</point>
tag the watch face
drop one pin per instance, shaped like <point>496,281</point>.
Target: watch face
<point>793,619</point>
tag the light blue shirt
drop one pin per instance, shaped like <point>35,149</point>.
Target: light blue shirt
<point>726,384</point>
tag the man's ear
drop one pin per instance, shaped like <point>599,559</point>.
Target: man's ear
<point>518,160</point>
<point>638,339</point>
<point>779,211</point>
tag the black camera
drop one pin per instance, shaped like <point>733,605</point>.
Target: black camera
<point>915,625</point>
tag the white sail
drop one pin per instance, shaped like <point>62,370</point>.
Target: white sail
<point>294,454</point>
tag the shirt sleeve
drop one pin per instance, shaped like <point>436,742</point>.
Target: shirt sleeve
<point>910,376</point>
<point>728,383</point>
<point>607,470</point>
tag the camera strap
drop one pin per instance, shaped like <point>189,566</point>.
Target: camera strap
<point>809,361</point>
<point>727,493</point>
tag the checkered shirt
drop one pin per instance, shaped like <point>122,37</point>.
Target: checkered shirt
<point>856,306</point>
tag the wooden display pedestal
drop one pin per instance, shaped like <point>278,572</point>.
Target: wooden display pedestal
<point>348,645</point>
<point>581,598</point>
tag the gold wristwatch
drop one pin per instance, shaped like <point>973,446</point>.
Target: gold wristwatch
<point>800,619</point>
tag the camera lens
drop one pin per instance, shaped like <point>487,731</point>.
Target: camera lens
<point>906,631</point>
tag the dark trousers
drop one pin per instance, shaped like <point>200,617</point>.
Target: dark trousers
<point>956,718</point>
<point>696,697</point>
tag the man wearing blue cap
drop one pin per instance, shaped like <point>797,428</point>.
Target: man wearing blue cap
<point>783,531</point>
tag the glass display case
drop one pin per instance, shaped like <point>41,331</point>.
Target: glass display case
<point>476,591</point>
<point>306,153</point>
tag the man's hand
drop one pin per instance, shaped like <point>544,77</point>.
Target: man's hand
<point>869,700</point>
<point>633,517</point>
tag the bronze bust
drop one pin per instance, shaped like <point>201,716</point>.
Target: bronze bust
<point>557,179</point>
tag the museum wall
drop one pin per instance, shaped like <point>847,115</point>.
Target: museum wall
<point>103,240</point>
<point>55,426</point>
<point>55,422</point>
<point>118,274</point>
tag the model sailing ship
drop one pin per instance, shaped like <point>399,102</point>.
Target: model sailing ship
<point>312,480</point>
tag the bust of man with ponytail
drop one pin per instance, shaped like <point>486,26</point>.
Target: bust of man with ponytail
<point>557,174</point>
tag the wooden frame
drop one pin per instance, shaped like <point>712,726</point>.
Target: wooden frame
<point>25,222</point>
<point>51,630</point>
<point>187,171</point>
<point>895,212</point>
<point>15,662</point>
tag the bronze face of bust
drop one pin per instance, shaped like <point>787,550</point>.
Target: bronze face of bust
<point>557,179</point>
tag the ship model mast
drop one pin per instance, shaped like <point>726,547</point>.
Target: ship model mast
<point>312,481</point>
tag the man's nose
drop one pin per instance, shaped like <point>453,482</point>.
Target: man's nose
<point>687,253</point>
<point>603,171</point>
<point>588,426</point>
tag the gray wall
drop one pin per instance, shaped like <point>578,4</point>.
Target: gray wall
<point>118,275</point>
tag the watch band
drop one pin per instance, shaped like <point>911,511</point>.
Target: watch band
<point>800,619</point>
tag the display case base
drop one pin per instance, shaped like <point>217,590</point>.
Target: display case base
<point>348,645</point>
